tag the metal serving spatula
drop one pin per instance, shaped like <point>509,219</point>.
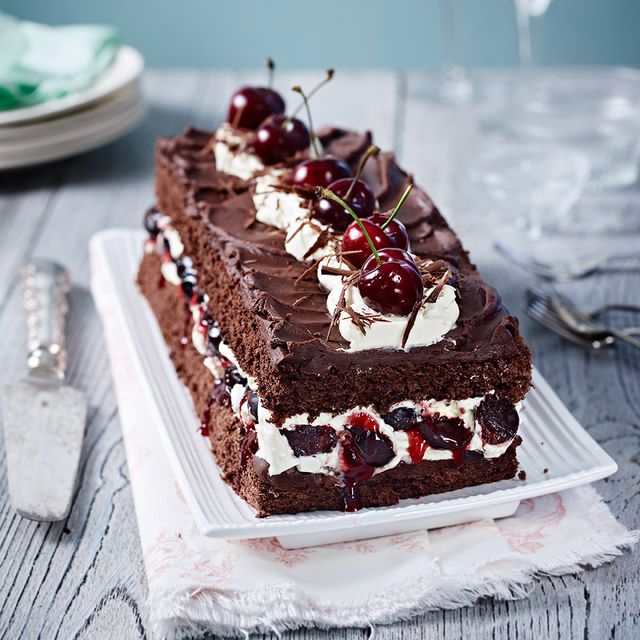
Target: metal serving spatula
<point>44,419</point>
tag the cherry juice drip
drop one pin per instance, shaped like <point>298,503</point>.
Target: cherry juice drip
<point>354,468</point>
<point>417,446</point>
<point>354,471</point>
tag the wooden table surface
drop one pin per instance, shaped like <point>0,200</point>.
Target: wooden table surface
<point>84,578</point>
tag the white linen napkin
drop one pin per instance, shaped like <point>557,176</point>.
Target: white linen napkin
<point>200,584</point>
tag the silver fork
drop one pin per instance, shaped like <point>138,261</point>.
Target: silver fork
<point>538,308</point>
<point>563,272</point>
<point>581,323</point>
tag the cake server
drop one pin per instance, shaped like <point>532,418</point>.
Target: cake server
<point>44,418</point>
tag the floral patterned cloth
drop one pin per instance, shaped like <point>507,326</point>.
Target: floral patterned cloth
<point>199,584</point>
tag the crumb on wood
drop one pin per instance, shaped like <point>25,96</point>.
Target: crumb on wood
<point>522,474</point>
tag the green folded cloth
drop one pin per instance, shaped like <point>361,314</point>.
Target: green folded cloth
<point>40,63</point>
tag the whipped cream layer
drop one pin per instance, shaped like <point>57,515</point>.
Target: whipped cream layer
<point>231,154</point>
<point>432,322</point>
<point>273,445</point>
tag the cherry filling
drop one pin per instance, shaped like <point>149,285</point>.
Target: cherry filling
<point>233,377</point>
<point>445,433</point>
<point>373,447</point>
<point>310,439</point>
<point>363,420</point>
<point>252,402</point>
<point>417,445</point>
<point>402,418</point>
<point>498,419</point>
<point>151,219</point>
<point>363,449</point>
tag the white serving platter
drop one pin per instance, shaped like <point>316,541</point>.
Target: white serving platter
<point>125,69</point>
<point>556,454</point>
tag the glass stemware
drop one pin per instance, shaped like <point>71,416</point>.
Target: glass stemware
<point>455,85</point>
<point>525,10</point>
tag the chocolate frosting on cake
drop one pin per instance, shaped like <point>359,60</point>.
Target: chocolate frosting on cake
<point>291,314</point>
<point>268,273</point>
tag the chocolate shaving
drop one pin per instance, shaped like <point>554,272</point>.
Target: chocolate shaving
<point>300,300</point>
<point>410,322</point>
<point>321,241</point>
<point>431,298</point>
<point>341,304</point>
<point>435,292</point>
<point>208,148</point>
<point>307,193</point>
<point>307,271</point>
<point>297,231</point>
<point>335,271</point>
<point>363,320</point>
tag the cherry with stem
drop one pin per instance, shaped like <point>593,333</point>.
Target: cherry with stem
<point>312,133</point>
<point>296,111</point>
<point>326,193</point>
<point>355,191</point>
<point>373,150</point>
<point>398,206</point>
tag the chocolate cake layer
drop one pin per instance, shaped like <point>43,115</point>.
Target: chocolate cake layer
<point>293,491</point>
<point>277,324</point>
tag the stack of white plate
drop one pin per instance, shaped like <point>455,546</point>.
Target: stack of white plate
<point>78,122</point>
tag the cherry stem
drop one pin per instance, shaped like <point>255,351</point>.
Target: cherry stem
<point>312,134</point>
<point>313,92</point>
<point>371,151</point>
<point>397,208</point>
<point>327,193</point>
<point>271,68</point>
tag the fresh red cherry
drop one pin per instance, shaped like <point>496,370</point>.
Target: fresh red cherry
<point>391,288</point>
<point>394,229</point>
<point>319,172</point>
<point>279,138</point>
<point>361,199</point>
<point>355,247</point>
<point>392,254</point>
<point>251,106</point>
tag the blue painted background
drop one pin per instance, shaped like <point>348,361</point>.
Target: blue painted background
<point>402,34</point>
